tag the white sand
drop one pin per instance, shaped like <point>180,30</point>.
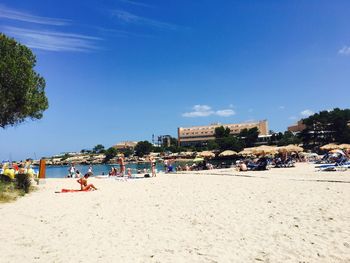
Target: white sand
<point>282,215</point>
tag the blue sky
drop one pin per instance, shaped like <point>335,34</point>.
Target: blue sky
<point>126,69</point>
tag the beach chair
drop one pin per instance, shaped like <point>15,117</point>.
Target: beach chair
<point>338,166</point>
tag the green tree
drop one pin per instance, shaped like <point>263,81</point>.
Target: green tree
<point>173,141</point>
<point>221,132</point>
<point>99,148</point>
<point>275,137</point>
<point>249,136</point>
<point>158,149</point>
<point>326,127</point>
<point>142,148</point>
<point>22,90</point>
<point>127,152</point>
<point>212,145</point>
<point>288,138</point>
<point>110,153</point>
<point>229,143</point>
<point>224,140</point>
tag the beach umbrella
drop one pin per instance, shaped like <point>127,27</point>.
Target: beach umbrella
<point>330,146</point>
<point>264,150</point>
<point>206,154</point>
<point>198,160</point>
<point>290,148</point>
<point>344,146</point>
<point>227,153</point>
<point>246,152</point>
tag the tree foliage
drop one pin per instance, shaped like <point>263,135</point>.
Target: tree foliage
<point>22,90</point>
<point>326,127</point>
<point>110,153</point>
<point>288,138</point>
<point>225,141</point>
<point>229,143</point>
<point>249,136</point>
<point>99,148</point>
<point>142,148</point>
<point>127,152</point>
<point>221,132</point>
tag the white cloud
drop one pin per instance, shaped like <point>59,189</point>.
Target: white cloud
<point>225,113</point>
<point>53,40</point>
<point>281,107</point>
<point>306,113</point>
<point>130,18</point>
<point>135,3</point>
<point>205,111</point>
<point>16,15</point>
<point>345,50</point>
<point>199,111</point>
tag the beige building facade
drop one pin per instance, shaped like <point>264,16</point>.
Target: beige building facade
<point>298,127</point>
<point>200,134</point>
<point>125,145</point>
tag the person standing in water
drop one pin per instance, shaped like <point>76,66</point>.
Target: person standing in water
<point>71,171</point>
<point>122,166</point>
<point>153,167</point>
<point>90,170</point>
<point>129,173</point>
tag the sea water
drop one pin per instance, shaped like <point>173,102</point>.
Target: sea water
<point>98,169</point>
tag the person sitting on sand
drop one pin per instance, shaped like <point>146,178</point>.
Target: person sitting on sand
<point>242,167</point>
<point>84,186</point>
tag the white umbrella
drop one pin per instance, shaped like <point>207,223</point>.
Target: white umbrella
<point>228,153</point>
<point>206,154</point>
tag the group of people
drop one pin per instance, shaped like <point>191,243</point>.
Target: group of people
<point>73,172</point>
<point>257,165</point>
<point>168,166</point>
<point>339,156</point>
<point>10,169</point>
<point>195,166</point>
<point>122,170</point>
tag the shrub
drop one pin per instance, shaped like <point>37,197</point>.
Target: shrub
<point>4,178</point>
<point>23,182</point>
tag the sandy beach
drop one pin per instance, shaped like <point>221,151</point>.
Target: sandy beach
<point>281,215</point>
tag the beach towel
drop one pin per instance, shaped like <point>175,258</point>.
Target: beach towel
<point>72,191</point>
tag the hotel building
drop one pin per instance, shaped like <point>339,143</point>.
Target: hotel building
<point>298,127</point>
<point>199,135</point>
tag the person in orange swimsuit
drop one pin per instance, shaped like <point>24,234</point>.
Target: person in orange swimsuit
<point>84,186</point>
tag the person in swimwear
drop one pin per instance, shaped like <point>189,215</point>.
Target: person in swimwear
<point>153,167</point>
<point>84,186</point>
<point>129,172</point>
<point>122,166</point>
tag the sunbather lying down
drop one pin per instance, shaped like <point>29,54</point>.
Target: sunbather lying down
<point>84,186</point>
